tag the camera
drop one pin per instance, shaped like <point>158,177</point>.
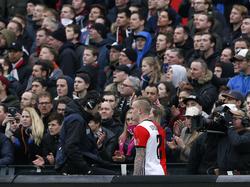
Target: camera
<point>219,121</point>
<point>12,111</point>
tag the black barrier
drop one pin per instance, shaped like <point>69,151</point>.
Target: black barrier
<point>173,169</point>
<point>122,181</point>
<point>27,176</point>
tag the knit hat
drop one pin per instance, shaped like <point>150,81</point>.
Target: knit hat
<point>5,82</point>
<point>59,34</point>
<point>84,77</point>
<point>100,28</point>
<point>9,36</point>
<point>123,68</point>
<point>130,53</point>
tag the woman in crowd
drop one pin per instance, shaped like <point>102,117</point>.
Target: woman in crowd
<point>150,69</point>
<point>27,138</point>
<point>176,74</point>
<point>126,152</point>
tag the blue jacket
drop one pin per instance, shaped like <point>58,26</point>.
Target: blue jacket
<point>141,54</point>
<point>6,151</point>
<point>240,83</point>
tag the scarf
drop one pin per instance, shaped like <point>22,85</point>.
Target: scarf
<point>131,143</point>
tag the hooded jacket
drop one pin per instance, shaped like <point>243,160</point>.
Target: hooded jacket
<point>142,53</point>
<point>77,147</point>
<point>179,74</point>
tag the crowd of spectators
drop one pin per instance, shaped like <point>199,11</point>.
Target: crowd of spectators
<point>71,69</point>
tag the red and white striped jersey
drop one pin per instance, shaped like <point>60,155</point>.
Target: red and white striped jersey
<point>151,135</point>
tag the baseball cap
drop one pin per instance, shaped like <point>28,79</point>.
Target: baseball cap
<point>16,46</point>
<point>116,46</point>
<point>234,94</point>
<point>242,54</point>
<point>238,113</point>
<point>192,97</point>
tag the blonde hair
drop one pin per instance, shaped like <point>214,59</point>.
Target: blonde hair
<point>36,125</point>
<point>156,70</point>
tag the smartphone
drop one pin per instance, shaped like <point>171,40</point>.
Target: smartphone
<point>12,111</point>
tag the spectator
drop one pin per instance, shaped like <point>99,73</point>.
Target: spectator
<point>50,141</point>
<point>200,78</point>
<point>5,96</point>
<point>7,152</point>
<point>143,42</point>
<point>129,88</point>
<point>107,120</point>
<point>66,52</point>
<point>226,55</point>
<point>232,148</point>
<point>45,106</point>
<point>150,71</point>
<point>175,74</point>
<point>106,140</point>
<point>61,105</point>
<point>241,82</point>
<point>128,57</point>
<point>238,12</point>
<point>77,151</point>
<point>183,41</point>
<point>233,97</point>
<point>7,38</point>
<point>81,85</point>
<point>65,87</point>
<point>182,145</point>
<point>3,115</point>
<point>126,152</point>
<point>73,35</point>
<point>121,72</point>
<point>21,70</point>
<point>163,42</point>
<point>27,138</point>
<point>28,99</point>
<point>114,52</point>
<point>38,86</point>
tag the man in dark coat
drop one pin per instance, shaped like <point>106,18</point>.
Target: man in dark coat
<point>77,149</point>
<point>67,58</point>
<point>21,70</point>
<point>6,151</point>
<point>200,79</point>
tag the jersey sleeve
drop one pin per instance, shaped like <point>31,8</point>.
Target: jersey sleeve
<point>141,136</point>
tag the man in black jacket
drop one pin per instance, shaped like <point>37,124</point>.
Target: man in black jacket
<point>7,151</point>
<point>233,153</point>
<point>78,150</point>
<point>67,57</point>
